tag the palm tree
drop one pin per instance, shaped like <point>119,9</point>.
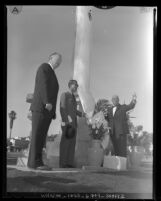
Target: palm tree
<point>12,116</point>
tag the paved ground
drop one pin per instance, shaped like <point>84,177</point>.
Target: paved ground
<point>81,181</point>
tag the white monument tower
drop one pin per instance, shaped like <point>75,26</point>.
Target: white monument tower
<point>83,43</point>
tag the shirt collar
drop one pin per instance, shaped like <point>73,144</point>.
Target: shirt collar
<point>50,65</point>
<point>117,105</point>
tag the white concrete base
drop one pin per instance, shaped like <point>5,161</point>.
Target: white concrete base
<point>115,162</point>
<point>22,161</point>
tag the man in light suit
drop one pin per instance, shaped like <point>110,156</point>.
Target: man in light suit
<point>43,109</point>
<point>118,123</point>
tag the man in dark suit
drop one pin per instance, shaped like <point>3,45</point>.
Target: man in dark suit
<point>43,109</point>
<point>118,124</point>
<point>69,112</point>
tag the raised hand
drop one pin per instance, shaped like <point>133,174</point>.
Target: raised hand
<point>134,96</point>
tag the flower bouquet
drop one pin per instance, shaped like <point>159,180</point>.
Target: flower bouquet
<point>98,123</point>
<point>98,126</point>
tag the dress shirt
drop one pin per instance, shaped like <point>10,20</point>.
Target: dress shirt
<point>114,110</point>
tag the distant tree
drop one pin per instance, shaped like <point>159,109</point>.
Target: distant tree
<point>147,140</point>
<point>9,143</point>
<point>12,116</point>
<point>138,128</point>
<point>134,139</point>
<point>21,144</point>
<point>130,123</point>
<point>145,133</point>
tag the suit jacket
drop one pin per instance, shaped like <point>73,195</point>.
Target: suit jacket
<point>68,106</point>
<point>118,122</point>
<point>46,90</point>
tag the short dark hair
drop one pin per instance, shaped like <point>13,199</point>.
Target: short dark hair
<point>55,53</point>
<point>72,82</point>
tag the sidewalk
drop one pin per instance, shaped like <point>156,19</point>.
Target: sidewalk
<point>100,180</point>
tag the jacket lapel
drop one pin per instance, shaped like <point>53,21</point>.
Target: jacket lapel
<point>117,108</point>
<point>112,111</point>
<point>71,98</point>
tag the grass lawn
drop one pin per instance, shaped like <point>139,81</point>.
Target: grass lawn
<point>139,182</point>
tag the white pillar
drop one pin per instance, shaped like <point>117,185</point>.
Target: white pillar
<point>82,56</point>
<point>82,75</point>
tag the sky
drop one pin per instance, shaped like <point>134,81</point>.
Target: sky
<point>121,60</point>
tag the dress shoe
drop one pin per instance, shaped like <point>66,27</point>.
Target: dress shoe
<point>44,167</point>
<point>63,166</point>
<point>69,166</point>
<point>66,166</point>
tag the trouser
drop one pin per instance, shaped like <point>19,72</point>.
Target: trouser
<point>67,150</point>
<point>40,126</point>
<point>119,144</point>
